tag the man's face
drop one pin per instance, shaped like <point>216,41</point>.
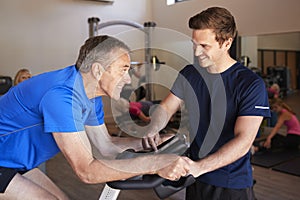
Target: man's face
<point>206,48</point>
<point>116,76</point>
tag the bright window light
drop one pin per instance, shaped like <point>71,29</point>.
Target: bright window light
<point>171,2</point>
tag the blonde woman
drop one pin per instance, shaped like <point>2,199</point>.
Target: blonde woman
<point>22,75</point>
<point>286,117</point>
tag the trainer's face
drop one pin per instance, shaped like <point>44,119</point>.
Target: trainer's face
<point>207,49</point>
<point>116,76</point>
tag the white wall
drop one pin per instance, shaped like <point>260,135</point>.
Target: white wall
<point>253,17</point>
<point>249,48</point>
<point>279,41</point>
<point>286,41</point>
<point>43,35</point>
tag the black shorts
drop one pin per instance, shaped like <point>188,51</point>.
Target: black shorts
<point>202,191</point>
<point>6,175</point>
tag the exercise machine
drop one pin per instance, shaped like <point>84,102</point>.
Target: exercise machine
<point>281,76</point>
<point>5,84</point>
<point>162,187</point>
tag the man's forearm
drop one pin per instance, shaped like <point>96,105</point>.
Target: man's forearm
<point>229,153</point>
<point>126,168</point>
<point>102,141</point>
<point>126,143</point>
<point>159,119</point>
<point>245,131</point>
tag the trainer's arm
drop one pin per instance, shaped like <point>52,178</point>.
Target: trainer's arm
<point>163,113</point>
<point>77,150</point>
<point>160,118</point>
<point>245,130</point>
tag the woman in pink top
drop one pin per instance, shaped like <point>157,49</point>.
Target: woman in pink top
<point>288,118</point>
<point>141,110</point>
<point>137,110</point>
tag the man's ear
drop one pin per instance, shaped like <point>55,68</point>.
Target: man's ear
<point>227,44</point>
<point>97,70</point>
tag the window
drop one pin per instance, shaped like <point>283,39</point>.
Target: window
<point>171,2</point>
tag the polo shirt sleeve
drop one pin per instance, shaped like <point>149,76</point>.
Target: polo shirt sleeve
<point>61,111</point>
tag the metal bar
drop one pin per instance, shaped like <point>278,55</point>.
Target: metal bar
<point>93,26</point>
<point>121,22</point>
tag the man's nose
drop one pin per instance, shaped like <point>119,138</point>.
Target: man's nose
<point>127,78</point>
<point>199,50</point>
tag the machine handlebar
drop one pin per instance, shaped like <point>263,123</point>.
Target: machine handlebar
<point>162,187</point>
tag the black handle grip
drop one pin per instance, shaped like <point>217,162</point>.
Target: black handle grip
<point>162,187</point>
<point>138,183</point>
<point>167,188</point>
<point>175,145</point>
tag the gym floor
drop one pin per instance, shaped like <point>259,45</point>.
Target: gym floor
<point>270,184</point>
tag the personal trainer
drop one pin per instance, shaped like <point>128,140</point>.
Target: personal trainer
<point>226,103</point>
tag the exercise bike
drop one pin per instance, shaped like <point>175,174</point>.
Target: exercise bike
<point>162,187</point>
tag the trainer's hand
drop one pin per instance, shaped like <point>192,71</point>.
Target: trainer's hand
<point>173,171</point>
<point>195,168</point>
<point>151,142</point>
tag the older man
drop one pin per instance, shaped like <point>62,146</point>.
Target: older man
<point>62,111</point>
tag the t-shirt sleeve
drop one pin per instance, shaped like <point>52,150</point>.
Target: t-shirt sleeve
<point>96,116</point>
<point>254,100</point>
<point>61,111</point>
<point>178,87</point>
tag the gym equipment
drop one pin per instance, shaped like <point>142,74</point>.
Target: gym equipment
<point>245,60</point>
<point>5,84</point>
<point>281,76</point>
<point>273,157</point>
<point>289,167</point>
<point>162,187</point>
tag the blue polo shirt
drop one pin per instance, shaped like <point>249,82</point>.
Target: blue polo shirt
<point>213,102</point>
<point>29,112</point>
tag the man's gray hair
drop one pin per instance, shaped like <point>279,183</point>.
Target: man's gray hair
<point>102,49</point>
